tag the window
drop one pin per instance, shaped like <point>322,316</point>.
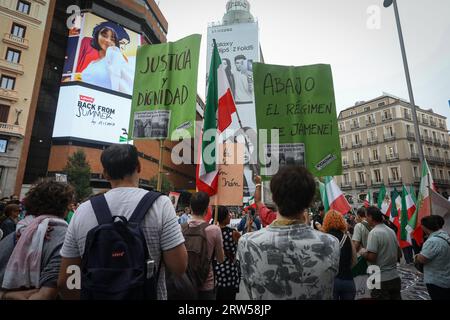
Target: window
<point>443,137</point>
<point>361,177</point>
<point>390,151</point>
<point>4,112</point>
<point>18,31</point>
<point>8,83</point>
<point>412,149</point>
<point>415,172</point>
<point>434,135</point>
<point>23,6</point>
<point>342,142</point>
<point>357,157</point>
<point>346,178</point>
<point>357,139</point>
<point>390,131</point>
<point>433,173</point>
<point>382,104</point>
<point>438,154</point>
<point>394,174</point>
<point>408,128</point>
<point>375,154</point>
<point>13,55</point>
<point>446,155</point>
<point>366,109</point>
<point>430,152</point>
<point>441,174</point>
<point>377,175</point>
<point>425,132</point>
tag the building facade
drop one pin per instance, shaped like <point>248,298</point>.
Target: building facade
<point>379,147</point>
<point>42,155</point>
<point>23,25</point>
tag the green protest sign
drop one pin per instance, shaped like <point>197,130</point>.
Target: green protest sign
<point>300,103</point>
<point>165,90</point>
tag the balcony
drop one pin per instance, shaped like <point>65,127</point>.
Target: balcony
<point>361,184</point>
<point>12,67</point>
<point>442,182</point>
<point>445,145</point>
<point>414,156</point>
<point>354,126</point>
<point>441,126</point>
<point>433,123</point>
<point>377,183</point>
<point>358,163</point>
<point>436,142</point>
<point>427,140</point>
<point>346,185</point>
<point>371,123</point>
<point>410,136</point>
<point>14,40</point>
<point>10,95</point>
<point>10,129</point>
<point>389,137</point>
<point>372,141</point>
<point>345,165</point>
<point>425,121</point>
<point>395,181</point>
<point>392,157</point>
<point>435,160</point>
<point>344,147</point>
<point>407,116</point>
<point>356,144</point>
<point>374,161</point>
<point>386,117</point>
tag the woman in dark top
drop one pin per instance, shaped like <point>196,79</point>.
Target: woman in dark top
<point>227,274</point>
<point>9,220</point>
<point>344,286</point>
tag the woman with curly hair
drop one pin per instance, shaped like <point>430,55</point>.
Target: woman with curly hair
<point>29,257</point>
<point>344,286</point>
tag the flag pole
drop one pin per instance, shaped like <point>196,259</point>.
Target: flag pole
<point>160,165</point>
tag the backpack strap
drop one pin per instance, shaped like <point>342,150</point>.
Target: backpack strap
<point>101,209</point>
<point>143,206</point>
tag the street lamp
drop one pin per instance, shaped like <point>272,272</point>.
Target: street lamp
<point>387,4</point>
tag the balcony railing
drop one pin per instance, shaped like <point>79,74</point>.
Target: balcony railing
<point>410,136</point>
<point>354,126</point>
<point>425,121</point>
<point>358,163</point>
<point>7,128</point>
<point>370,122</point>
<point>436,142</point>
<point>415,156</point>
<point>395,181</point>
<point>407,116</point>
<point>392,157</point>
<point>445,145</point>
<point>344,147</point>
<point>442,182</point>
<point>389,137</point>
<point>346,185</point>
<point>9,94</point>
<point>361,184</point>
<point>374,161</point>
<point>18,41</point>
<point>356,144</point>
<point>386,117</point>
<point>16,68</point>
<point>433,123</point>
<point>441,125</point>
<point>435,160</point>
<point>345,165</point>
<point>427,140</point>
<point>377,183</point>
<point>372,141</point>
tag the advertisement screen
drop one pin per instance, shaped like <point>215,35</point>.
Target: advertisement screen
<point>238,47</point>
<point>97,83</point>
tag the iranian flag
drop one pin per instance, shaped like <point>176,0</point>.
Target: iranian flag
<point>423,207</point>
<point>381,196</point>
<point>407,211</point>
<point>385,206</point>
<point>334,197</point>
<point>217,117</point>
<point>323,195</point>
<point>368,201</point>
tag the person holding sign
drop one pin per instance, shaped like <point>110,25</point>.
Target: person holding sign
<point>289,259</point>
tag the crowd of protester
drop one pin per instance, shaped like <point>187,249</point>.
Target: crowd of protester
<point>129,243</point>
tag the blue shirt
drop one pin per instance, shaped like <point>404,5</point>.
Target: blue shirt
<point>183,219</point>
<point>437,252</point>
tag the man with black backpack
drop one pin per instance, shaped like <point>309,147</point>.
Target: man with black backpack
<point>203,243</point>
<point>122,241</point>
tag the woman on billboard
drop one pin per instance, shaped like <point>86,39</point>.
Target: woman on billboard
<point>111,70</point>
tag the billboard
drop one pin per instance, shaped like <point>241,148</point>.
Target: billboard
<point>97,82</point>
<point>238,47</point>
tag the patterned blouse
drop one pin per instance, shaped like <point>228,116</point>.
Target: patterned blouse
<point>228,273</point>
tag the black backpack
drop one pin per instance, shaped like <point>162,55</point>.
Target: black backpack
<point>116,264</point>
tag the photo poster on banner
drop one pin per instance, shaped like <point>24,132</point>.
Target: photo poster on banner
<point>174,197</point>
<point>238,47</point>
<point>165,90</point>
<point>94,101</point>
<point>300,103</point>
<point>231,177</point>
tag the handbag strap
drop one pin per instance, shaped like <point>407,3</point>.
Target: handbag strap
<point>446,240</point>
<point>342,242</point>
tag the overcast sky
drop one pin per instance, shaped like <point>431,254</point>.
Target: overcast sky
<point>365,61</point>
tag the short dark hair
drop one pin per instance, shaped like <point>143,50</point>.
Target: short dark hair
<point>240,57</point>
<point>120,161</point>
<point>433,223</point>
<point>199,203</point>
<point>361,212</point>
<point>293,189</point>
<point>321,208</point>
<point>10,208</point>
<point>222,214</point>
<point>49,197</point>
<point>375,213</point>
